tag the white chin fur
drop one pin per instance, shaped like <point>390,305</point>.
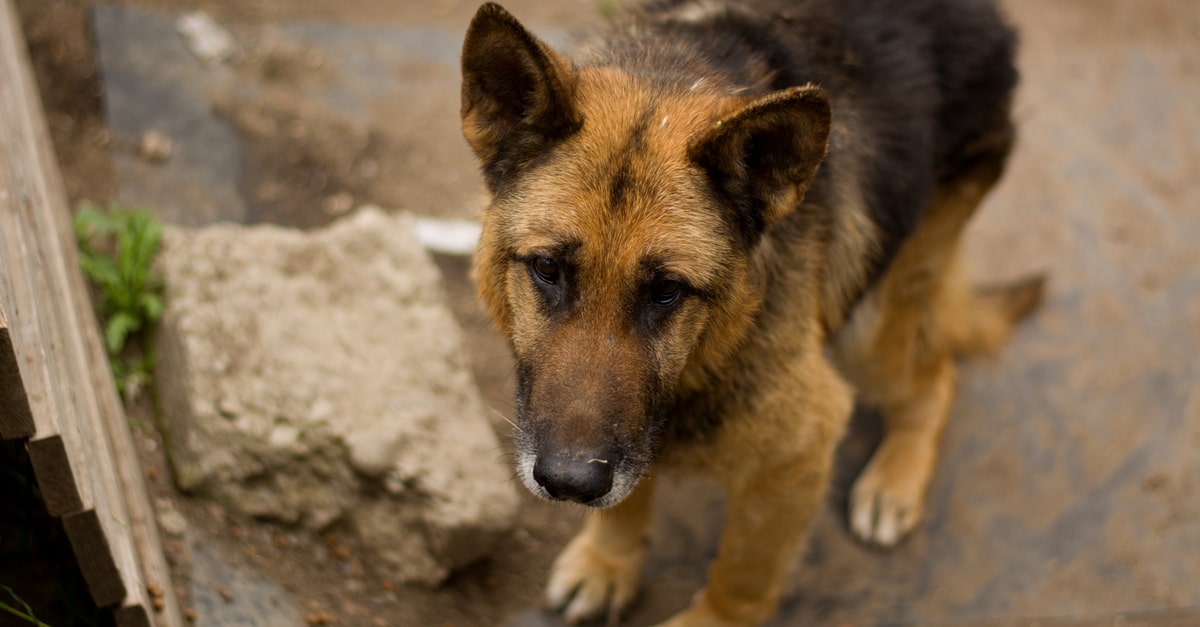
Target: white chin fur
<point>623,483</point>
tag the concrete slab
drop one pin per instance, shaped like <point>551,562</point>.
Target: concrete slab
<point>152,83</point>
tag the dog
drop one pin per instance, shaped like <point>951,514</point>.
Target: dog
<point>713,230</point>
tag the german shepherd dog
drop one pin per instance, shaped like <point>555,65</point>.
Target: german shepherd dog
<point>706,233</point>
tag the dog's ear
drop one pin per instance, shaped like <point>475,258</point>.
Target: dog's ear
<point>516,94</point>
<point>761,158</point>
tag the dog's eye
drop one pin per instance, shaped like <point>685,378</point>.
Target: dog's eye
<point>667,292</point>
<point>546,269</point>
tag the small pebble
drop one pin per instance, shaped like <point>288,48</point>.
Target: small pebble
<point>154,146</point>
<point>339,204</point>
<point>205,38</point>
<point>171,521</point>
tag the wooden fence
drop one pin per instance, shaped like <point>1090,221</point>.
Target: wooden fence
<point>56,390</point>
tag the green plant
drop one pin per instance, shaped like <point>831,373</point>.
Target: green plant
<point>607,8</point>
<point>116,253</point>
<point>24,612</point>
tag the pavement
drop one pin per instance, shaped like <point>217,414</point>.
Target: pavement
<point>224,591</point>
<point>1068,492</point>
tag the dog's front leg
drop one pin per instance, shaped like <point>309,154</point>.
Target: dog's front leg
<point>776,484</point>
<point>768,519</point>
<point>598,572</point>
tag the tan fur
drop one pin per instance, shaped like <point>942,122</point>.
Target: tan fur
<point>749,350</point>
<point>898,349</point>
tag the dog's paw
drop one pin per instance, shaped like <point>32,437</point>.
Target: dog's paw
<point>587,582</point>
<point>885,503</point>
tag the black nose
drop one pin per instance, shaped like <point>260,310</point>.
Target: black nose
<point>579,477</point>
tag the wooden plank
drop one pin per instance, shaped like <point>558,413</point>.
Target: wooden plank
<point>34,347</point>
<point>20,280</point>
<point>137,616</point>
<point>141,520</point>
<point>52,464</point>
<point>150,564</point>
<point>67,450</point>
<point>89,538</point>
<point>129,477</point>
<point>15,419</point>
<point>79,423</point>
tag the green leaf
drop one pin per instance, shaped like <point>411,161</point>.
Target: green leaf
<point>101,270</point>
<point>117,248</point>
<point>91,221</point>
<point>119,327</point>
<point>148,244</point>
<point>18,599</point>
<point>151,306</point>
<point>126,257</point>
<point>27,615</point>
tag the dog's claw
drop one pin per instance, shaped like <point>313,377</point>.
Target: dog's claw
<point>587,583</point>
<point>882,512</point>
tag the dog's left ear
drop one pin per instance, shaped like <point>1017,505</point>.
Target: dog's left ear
<point>761,158</point>
<point>516,94</point>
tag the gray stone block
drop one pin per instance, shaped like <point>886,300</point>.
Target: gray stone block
<point>313,377</point>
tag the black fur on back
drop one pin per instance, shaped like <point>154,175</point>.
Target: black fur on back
<point>914,84</point>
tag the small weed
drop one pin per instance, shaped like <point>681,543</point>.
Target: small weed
<point>607,8</point>
<point>116,253</point>
<point>24,612</point>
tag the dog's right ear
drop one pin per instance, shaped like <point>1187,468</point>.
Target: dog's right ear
<point>762,157</point>
<point>516,94</point>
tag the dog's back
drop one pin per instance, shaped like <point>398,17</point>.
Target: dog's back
<point>917,89</point>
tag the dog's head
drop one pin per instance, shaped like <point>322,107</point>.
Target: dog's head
<point>617,249</point>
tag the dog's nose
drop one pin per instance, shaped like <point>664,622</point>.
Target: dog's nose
<point>579,477</point>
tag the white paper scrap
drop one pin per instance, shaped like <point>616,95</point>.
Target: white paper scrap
<point>449,237</point>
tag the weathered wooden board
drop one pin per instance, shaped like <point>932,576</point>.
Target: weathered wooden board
<point>53,365</point>
<point>15,419</point>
